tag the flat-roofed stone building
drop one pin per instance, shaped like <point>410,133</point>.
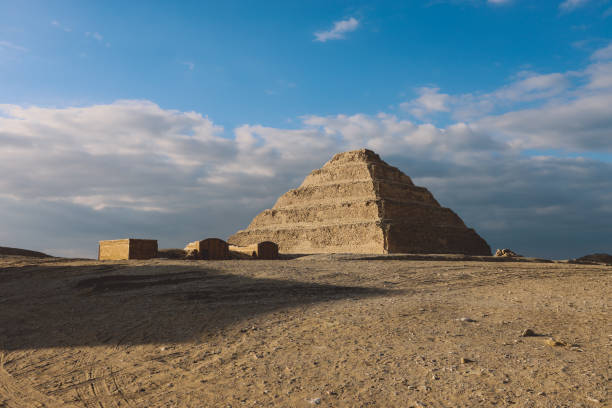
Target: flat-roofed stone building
<point>129,248</point>
<point>357,203</point>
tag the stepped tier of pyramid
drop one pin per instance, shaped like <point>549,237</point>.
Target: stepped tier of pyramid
<point>357,203</point>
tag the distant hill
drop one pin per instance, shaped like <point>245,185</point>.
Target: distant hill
<point>22,252</point>
<point>594,259</point>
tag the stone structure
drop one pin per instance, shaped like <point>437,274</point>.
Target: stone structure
<point>507,253</point>
<point>118,249</point>
<point>210,248</point>
<point>357,203</point>
<point>262,250</point>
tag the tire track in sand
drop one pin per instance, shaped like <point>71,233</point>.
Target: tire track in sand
<point>19,393</point>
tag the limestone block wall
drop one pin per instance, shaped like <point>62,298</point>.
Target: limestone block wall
<point>417,213</point>
<point>399,191</point>
<point>364,237</point>
<point>411,238</point>
<point>261,250</point>
<point>346,172</point>
<point>116,249</point>
<point>130,248</point>
<point>327,193</point>
<point>312,213</point>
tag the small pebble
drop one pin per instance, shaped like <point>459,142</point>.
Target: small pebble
<point>315,401</point>
<point>595,400</point>
<point>466,360</point>
<point>554,343</point>
<point>467,319</point>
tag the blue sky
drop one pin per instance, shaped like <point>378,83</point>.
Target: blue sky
<point>256,62</point>
<point>212,98</point>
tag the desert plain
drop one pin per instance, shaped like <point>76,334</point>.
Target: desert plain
<point>335,331</point>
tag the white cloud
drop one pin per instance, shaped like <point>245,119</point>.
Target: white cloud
<point>531,87</point>
<point>600,76</point>
<point>98,37</point>
<point>548,112</point>
<point>95,35</point>
<point>189,65</point>
<point>60,26</point>
<point>499,1</point>
<point>604,53</point>
<point>11,46</point>
<point>429,101</point>
<point>527,87</point>
<point>338,31</point>
<point>580,125</point>
<point>555,89</point>
<point>569,5</point>
<point>127,147</point>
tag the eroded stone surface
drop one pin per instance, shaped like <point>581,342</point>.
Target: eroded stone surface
<point>357,203</point>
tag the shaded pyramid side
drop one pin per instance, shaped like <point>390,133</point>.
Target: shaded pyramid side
<point>357,203</point>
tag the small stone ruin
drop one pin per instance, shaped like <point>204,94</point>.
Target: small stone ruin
<point>130,248</point>
<point>210,248</point>
<point>507,253</point>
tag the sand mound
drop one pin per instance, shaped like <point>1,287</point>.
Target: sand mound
<point>22,252</point>
<point>594,259</point>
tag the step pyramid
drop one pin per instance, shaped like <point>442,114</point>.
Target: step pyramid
<point>357,203</point>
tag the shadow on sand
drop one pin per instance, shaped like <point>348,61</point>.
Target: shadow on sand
<point>59,306</point>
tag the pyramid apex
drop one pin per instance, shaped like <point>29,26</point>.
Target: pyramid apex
<point>363,155</point>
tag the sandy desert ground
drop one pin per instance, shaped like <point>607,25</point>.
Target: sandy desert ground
<point>305,332</point>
